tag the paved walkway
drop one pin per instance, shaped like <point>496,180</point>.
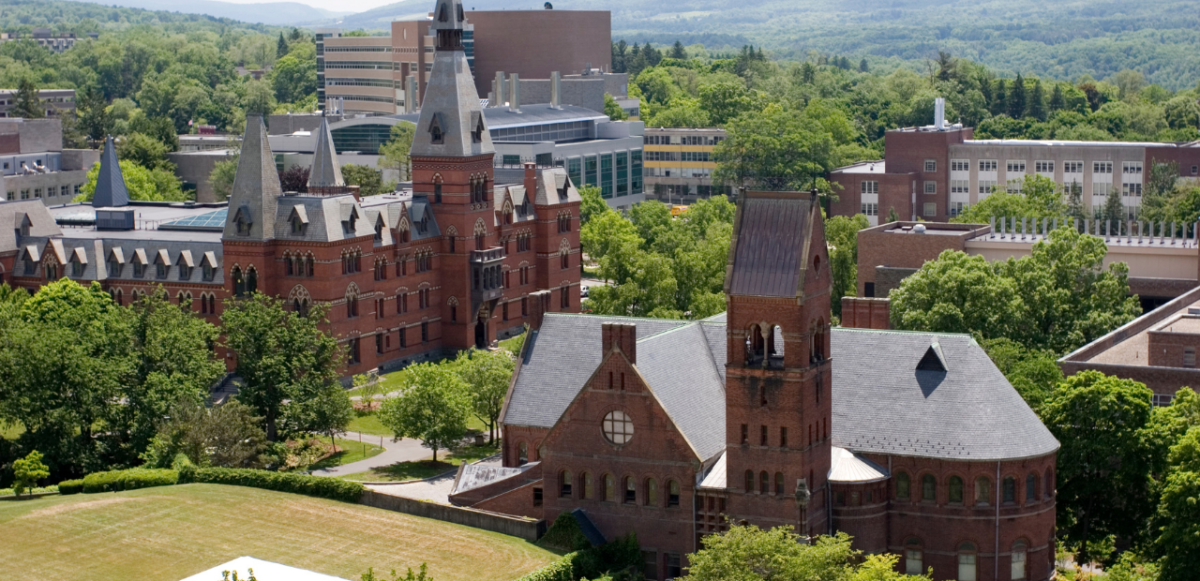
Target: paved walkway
<point>406,450</point>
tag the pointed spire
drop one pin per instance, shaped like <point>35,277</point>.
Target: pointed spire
<point>325,174</point>
<point>256,189</point>
<point>452,122</point>
<point>110,184</point>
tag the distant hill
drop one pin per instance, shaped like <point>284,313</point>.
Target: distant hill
<point>1053,38</point>
<point>272,13</point>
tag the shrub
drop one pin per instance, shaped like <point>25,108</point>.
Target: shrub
<point>560,570</point>
<point>117,480</point>
<point>184,466</point>
<point>597,562</point>
<point>70,486</point>
<point>28,491</point>
<point>295,483</point>
<point>564,535</point>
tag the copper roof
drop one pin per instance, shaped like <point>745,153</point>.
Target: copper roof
<point>768,251</point>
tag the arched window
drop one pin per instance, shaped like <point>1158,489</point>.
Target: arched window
<point>764,482</point>
<point>672,493</point>
<point>288,268</point>
<point>1009,488</point>
<point>308,266</point>
<point>914,558</point>
<point>983,491</point>
<point>609,485</point>
<point>955,488</point>
<point>630,490</point>
<point>239,283</point>
<point>902,487</point>
<point>251,280</point>
<point>564,484</point>
<point>651,492</point>
<point>1031,488</point>
<point>1048,487</point>
<point>585,482</point>
<point>928,488</point>
<point>352,303</point>
<point>966,562</point>
<point>1018,561</point>
<point>749,481</point>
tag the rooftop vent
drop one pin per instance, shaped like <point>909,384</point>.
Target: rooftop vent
<point>114,219</point>
<point>934,359</point>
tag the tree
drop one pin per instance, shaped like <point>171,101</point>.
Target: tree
<point>593,204</point>
<point>957,293</point>
<point>678,52</point>
<point>28,471</point>
<point>282,47</point>
<point>748,553</point>
<point>862,66</point>
<point>1179,511</point>
<point>294,76</point>
<point>1034,373</point>
<point>892,215</point>
<point>225,436</point>
<point>93,115</point>
<point>776,149</point>
<point>395,153</point>
<point>282,357</point>
<point>1037,102</point>
<point>486,375</point>
<point>368,179</point>
<point>26,103</point>
<point>725,100</point>
<point>681,112</point>
<point>150,185</point>
<point>1039,199</point>
<point>1103,465</point>
<point>422,574</point>
<point>432,408</point>
<point>145,151</point>
<point>1057,101</point>
<point>294,179</point>
<point>613,109</point>
<point>841,234</point>
<point>258,98</point>
<point>1016,98</point>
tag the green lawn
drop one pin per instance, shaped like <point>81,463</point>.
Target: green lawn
<point>352,451</point>
<point>369,424</point>
<point>168,533</point>
<point>405,471</point>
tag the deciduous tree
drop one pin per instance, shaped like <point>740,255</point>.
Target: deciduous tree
<point>28,471</point>
<point>486,375</point>
<point>433,407</point>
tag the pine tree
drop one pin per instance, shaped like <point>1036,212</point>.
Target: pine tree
<point>26,104</point>
<point>1036,107</point>
<point>1016,98</point>
<point>677,51</point>
<point>1057,100</point>
<point>282,49</point>
<point>1114,212</point>
<point>862,66</point>
<point>1000,101</point>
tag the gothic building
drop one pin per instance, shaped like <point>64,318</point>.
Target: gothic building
<point>914,443</point>
<point>406,275</point>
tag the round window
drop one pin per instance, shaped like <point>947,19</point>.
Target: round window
<point>618,428</point>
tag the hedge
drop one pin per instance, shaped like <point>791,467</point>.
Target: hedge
<point>134,478</point>
<point>28,491</point>
<point>333,488</point>
<point>70,486</point>
<point>618,555</point>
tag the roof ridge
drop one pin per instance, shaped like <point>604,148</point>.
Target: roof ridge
<point>904,332</point>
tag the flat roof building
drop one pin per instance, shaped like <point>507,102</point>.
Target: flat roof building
<point>680,163</point>
<point>34,165</point>
<point>55,101</point>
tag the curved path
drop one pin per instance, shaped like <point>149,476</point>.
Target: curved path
<point>406,450</point>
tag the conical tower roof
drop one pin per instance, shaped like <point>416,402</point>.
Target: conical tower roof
<point>110,183</point>
<point>451,123</point>
<point>256,189</point>
<point>326,172</point>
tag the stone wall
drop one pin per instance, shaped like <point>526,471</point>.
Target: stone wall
<point>521,527</point>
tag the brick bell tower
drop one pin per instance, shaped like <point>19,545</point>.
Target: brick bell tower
<point>452,167</point>
<point>777,393</point>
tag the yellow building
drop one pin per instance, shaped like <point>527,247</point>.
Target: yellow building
<point>679,163</point>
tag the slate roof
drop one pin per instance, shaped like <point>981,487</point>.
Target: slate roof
<point>768,252</point>
<point>325,172</point>
<point>555,188</point>
<point>110,183</point>
<point>883,404</point>
<point>324,215</point>
<point>256,188</point>
<point>451,101</point>
<point>13,214</point>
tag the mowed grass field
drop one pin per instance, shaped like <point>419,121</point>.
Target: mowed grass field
<point>172,532</point>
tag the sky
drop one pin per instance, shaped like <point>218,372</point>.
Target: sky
<point>335,5</point>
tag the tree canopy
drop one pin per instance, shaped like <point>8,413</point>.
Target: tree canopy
<point>432,407</point>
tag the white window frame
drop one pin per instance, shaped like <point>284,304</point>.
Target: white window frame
<point>929,209</point>
<point>988,165</point>
<point>960,186</point>
<point>930,165</point>
<point>1102,168</point>
<point>869,187</point>
<point>1014,166</point>
<point>1043,166</point>
<point>930,187</point>
<point>960,165</point>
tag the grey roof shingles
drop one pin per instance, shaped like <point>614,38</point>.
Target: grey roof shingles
<point>110,183</point>
<point>325,172</point>
<point>683,376</point>
<point>256,187</point>
<point>451,101</point>
<point>768,255</point>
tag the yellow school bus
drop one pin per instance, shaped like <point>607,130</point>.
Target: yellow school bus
<point>676,210</point>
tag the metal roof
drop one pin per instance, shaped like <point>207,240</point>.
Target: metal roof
<point>846,466</point>
<point>768,258</point>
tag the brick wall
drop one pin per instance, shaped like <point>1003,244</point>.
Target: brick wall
<point>866,313</point>
<point>882,246</point>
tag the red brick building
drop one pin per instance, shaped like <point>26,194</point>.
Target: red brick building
<point>449,265</point>
<point>912,442</point>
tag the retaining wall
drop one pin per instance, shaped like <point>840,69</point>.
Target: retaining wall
<point>524,528</point>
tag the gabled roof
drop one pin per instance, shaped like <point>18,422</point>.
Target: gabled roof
<point>451,101</point>
<point>14,214</point>
<point>554,187</point>
<point>683,375</point>
<point>325,172</point>
<point>256,188</point>
<point>110,183</point>
<point>883,404</point>
<point>767,255</point>
<point>323,215</point>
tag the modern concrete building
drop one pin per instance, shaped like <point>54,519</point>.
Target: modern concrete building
<point>766,415</point>
<point>1162,259</point>
<point>34,165</point>
<point>679,163</point>
<point>371,74</point>
<point>936,171</point>
<point>55,101</point>
<point>56,43</point>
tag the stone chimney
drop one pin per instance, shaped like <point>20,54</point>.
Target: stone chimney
<point>530,179</point>
<point>866,313</point>
<point>622,336</point>
<point>539,304</point>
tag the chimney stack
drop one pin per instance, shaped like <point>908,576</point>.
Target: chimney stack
<point>622,336</point>
<point>410,94</point>
<point>555,90</point>
<point>514,93</point>
<point>539,303</point>
<point>499,89</point>
<point>939,113</point>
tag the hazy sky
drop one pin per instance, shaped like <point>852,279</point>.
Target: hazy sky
<point>335,5</point>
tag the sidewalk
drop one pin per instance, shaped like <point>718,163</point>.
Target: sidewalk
<point>406,450</point>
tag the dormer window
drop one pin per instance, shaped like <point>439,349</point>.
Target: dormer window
<point>379,231</point>
<point>436,135</point>
<point>422,225</point>
<point>298,221</point>
<point>77,266</point>
<point>477,132</point>
<point>443,15</point>
<point>242,222</point>
<point>297,227</point>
